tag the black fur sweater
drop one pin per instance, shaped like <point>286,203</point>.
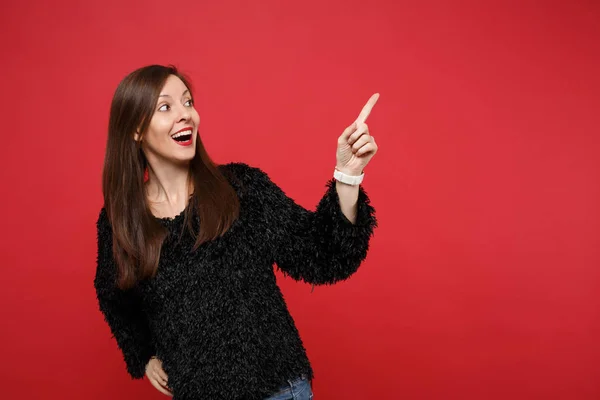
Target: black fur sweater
<point>216,317</point>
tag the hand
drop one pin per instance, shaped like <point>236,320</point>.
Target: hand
<point>157,377</point>
<point>356,146</point>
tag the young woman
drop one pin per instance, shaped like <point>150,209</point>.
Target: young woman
<point>186,249</point>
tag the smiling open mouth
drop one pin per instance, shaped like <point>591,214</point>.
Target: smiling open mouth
<point>183,138</point>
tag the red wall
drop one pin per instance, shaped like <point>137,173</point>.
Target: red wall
<point>483,279</point>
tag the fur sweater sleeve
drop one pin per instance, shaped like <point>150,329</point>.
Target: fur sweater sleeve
<point>121,309</point>
<point>319,247</point>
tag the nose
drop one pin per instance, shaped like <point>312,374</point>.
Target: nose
<point>184,113</point>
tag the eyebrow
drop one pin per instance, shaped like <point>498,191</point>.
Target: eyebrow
<point>166,95</point>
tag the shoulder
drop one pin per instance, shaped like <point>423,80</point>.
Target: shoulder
<point>247,174</point>
<point>240,169</point>
<point>253,182</point>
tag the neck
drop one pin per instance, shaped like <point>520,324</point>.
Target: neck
<point>168,184</point>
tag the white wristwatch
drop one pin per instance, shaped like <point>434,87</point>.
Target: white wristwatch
<point>348,179</point>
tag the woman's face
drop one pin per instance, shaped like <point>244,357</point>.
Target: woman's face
<point>173,128</point>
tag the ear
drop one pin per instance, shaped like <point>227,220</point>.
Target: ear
<point>137,136</point>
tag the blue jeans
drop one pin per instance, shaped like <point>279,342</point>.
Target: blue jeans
<point>297,389</point>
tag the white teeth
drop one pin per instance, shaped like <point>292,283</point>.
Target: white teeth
<point>182,133</point>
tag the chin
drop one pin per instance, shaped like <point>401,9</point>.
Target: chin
<point>186,159</point>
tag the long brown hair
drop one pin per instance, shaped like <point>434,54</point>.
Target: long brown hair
<point>137,235</point>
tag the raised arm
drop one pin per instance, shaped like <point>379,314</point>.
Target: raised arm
<point>319,247</point>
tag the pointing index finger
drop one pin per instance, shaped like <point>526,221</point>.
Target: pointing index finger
<point>362,117</point>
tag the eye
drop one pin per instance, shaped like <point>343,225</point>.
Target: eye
<point>161,108</point>
<point>190,102</point>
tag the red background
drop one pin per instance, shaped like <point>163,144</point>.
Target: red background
<point>482,281</point>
